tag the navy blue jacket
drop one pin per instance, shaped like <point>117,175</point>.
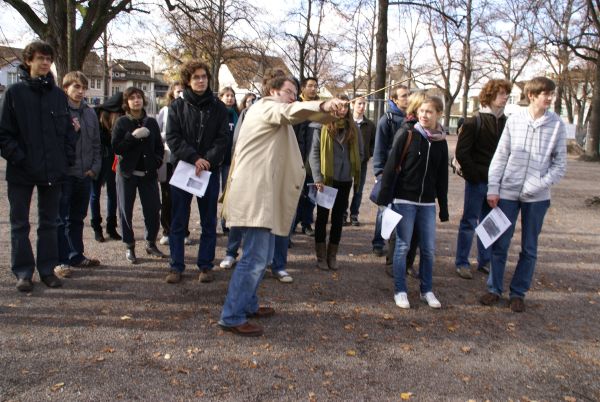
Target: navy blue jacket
<point>387,127</point>
<point>37,137</point>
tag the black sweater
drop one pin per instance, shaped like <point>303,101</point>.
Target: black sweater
<point>36,132</point>
<point>144,154</point>
<point>424,173</point>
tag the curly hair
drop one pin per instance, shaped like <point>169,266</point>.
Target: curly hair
<point>274,79</point>
<point>128,93</point>
<point>39,47</point>
<point>188,68</point>
<point>491,89</point>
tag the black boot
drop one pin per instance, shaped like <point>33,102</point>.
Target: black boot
<point>97,226</point>
<point>152,250</point>
<point>130,254</point>
<point>111,228</point>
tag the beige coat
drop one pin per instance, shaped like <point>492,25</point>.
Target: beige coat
<point>267,171</point>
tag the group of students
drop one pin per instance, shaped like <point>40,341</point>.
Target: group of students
<point>266,155</point>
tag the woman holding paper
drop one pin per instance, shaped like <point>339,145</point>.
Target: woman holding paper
<point>136,141</point>
<point>335,160</point>
<point>413,177</point>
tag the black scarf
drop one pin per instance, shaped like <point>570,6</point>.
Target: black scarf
<point>45,82</point>
<point>198,100</point>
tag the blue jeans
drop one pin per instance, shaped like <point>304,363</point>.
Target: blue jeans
<point>475,208</point>
<point>234,241</point>
<point>378,241</point>
<point>207,207</point>
<point>241,300</point>
<point>532,219</point>
<point>224,172</point>
<point>22,261</point>
<point>357,197</point>
<point>72,210</point>
<point>423,219</point>
<point>106,176</point>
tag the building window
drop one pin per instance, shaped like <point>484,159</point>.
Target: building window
<point>115,90</point>
<point>12,78</point>
<point>98,84</point>
<point>144,88</point>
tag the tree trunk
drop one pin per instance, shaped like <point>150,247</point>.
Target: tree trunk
<point>381,54</point>
<point>592,142</point>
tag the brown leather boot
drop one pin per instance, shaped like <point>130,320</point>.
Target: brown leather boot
<point>332,250</point>
<point>321,251</point>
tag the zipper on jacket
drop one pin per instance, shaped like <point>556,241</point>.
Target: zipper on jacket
<point>426,168</point>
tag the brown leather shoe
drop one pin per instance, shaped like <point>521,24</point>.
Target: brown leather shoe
<point>263,312</point>
<point>245,329</point>
<point>517,304</point>
<point>51,281</point>
<point>206,276</point>
<point>489,299</point>
<point>173,277</point>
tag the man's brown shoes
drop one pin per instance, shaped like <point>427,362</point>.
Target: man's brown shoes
<point>245,329</point>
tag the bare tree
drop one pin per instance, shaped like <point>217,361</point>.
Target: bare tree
<point>206,29</point>
<point>56,23</point>
<point>508,33</point>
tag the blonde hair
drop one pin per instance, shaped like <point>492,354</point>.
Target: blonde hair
<point>415,100</point>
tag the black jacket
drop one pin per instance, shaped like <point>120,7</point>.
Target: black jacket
<point>474,150</point>
<point>424,174</point>
<point>198,128</point>
<point>36,132</point>
<point>130,149</point>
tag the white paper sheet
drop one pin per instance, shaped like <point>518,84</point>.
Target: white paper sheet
<point>184,177</point>
<point>325,198</point>
<point>389,221</point>
<point>492,227</point>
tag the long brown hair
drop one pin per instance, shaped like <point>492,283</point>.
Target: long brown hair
<point>170,95</point>
<point>107,119</point>
<point>350,126</point>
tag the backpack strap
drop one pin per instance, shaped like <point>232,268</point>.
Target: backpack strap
<point>409,136</point>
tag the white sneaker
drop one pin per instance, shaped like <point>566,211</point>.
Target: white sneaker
<point>430,299</point>
<point>187,241</point>
<point>401,299</point>
<point>228,262</point>
<point>284,277</point>
<point>164,240</point>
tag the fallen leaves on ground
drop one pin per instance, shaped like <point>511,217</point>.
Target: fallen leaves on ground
<point>465,349</point>
<point>351,352</point>
<point>126,317</point>
<point>405,396</point>
<point>570,399</point>
<point>57,387</point>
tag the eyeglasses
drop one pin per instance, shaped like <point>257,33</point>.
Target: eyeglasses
<point>200,77</point>
<point>290,93</point>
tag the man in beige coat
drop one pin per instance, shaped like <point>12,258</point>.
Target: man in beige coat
<point>267,174</point>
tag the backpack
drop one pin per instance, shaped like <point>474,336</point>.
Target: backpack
<point>456,168</point>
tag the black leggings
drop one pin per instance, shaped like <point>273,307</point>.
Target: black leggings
<point>337,215</point>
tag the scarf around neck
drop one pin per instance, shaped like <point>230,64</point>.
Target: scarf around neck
<point>326,156</point>
<point>438,134</point>
<point>198,100</point>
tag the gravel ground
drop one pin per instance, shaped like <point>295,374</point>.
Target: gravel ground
<point>119,332</point>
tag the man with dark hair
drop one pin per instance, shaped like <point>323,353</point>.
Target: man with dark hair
<point>477,141</point>
<point>197,133</point>
<point>262,192</point>
<point>387,127</point>
<point>531,157</point>
<point>37,140</point>
<point>309,88</point>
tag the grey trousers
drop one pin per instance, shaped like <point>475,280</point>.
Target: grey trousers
<point>150,199</point>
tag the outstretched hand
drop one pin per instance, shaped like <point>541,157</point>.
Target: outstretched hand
<point>334,106</point>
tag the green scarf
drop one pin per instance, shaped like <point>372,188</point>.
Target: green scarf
<point>327,158</point>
